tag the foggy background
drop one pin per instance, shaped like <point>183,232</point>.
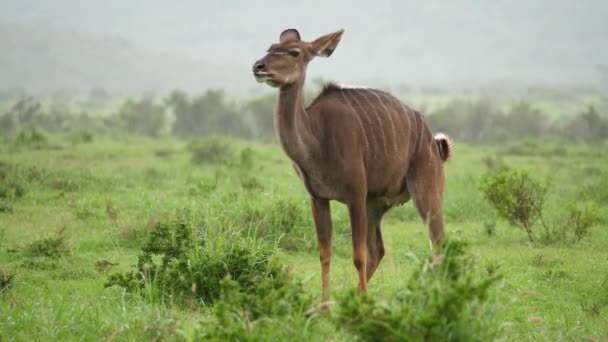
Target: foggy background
<point>135,46</point>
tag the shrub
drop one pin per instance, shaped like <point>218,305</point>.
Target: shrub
<point>164,153</point>
<point>441,301</point>
<point>6,280</point>
<point>516,197</point>
<point>574,226</point>
<point>597,301</point>
<point>489,227</point>
<point>13,182</point>
<point>52,245</point>
<point>284,220</point>
<point>5,207</point>
<point>251,183</point>
<point>178,261</point>
<point>210,150</point>
<point>579,218</point>
<point>81,137</point>
<point>30,138</point>
<point>494,163</point>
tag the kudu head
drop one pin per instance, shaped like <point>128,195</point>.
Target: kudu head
<point>286,61</point>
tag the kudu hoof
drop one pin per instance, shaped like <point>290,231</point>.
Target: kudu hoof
<point>322,308</point>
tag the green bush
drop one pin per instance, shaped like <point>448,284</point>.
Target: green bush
<point>53,245</point>
<point>516,197</point>
<point>179,262</point>
<point>13,182</point>
<point>441,301</point>
<point>284,220</point>
<point>597,301</point>
<point>30,138</point>
<point>210,150</point>
<point>81,137</point>
<point>574,225</point>
<point>6,280</point>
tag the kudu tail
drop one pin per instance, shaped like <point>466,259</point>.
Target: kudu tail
<point>444,144</point>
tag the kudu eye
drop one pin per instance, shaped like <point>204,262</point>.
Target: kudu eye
<point>293,53</point>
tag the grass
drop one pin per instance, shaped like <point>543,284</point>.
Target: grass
<point>87,209</point>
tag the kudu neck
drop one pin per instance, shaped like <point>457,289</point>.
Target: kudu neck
<point>292,123</point>
<point>291,100</point>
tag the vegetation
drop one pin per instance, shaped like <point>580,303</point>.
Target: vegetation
<point>520,199</point>
<point>444,299</point>
<point>106,234</point>
<point>475,120</point>
<point>516,197</point>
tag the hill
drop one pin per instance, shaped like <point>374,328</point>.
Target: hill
<point>42,58</point>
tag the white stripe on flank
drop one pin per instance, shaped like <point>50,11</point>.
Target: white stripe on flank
<point>390,118</point>
<point>368,120</point>
<point>415,128</point>
<point>406,111</point>
<point>380,128</point>
<point>350,86</point>
<point>358,119</point>
<point>422,129</point>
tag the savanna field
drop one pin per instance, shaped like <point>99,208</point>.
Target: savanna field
<point>126,237</point>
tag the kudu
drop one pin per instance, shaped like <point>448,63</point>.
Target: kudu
<point>362,147</point>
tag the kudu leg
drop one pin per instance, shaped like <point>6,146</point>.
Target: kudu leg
<point>358,221</point>
<point>375,245</point>
<point>322,216</point>
<point>425,184</point>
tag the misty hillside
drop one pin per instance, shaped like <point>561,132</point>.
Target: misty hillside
<point>460,42</point>
<point>42,58</point>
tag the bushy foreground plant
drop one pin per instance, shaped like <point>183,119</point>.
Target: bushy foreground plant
<point>284,220</point>
<point>181,262</point>
<point>444,300</point>
<point>242,283</point>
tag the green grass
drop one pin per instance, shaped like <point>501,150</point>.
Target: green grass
<point>109,194</point>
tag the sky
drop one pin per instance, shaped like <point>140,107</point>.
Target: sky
<point>411,42</point>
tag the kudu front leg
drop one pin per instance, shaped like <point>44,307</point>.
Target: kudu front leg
<point>358,222</point>
<point>322,216</point>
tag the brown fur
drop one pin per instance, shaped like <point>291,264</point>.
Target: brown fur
<point>359,146</point>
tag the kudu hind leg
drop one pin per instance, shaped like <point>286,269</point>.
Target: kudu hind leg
<point>358,222</point>
<point>375,245</point>
<point>426,187</point>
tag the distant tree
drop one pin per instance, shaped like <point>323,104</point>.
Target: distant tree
<point>467,121</point>
<point>98,95</point>
<point>262,109</point>
<point>143,116</point>
<point>524,121</point>
<point>603,71</point>
<point>597,125</point>
<point>207,114</point>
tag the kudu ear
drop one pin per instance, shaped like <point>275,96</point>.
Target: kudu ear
<point>289,34</point>
<point>324,46</point>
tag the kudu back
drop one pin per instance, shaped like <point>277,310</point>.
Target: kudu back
<point>360,146</point>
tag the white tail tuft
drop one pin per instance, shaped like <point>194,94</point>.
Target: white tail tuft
<point>444,144</point>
